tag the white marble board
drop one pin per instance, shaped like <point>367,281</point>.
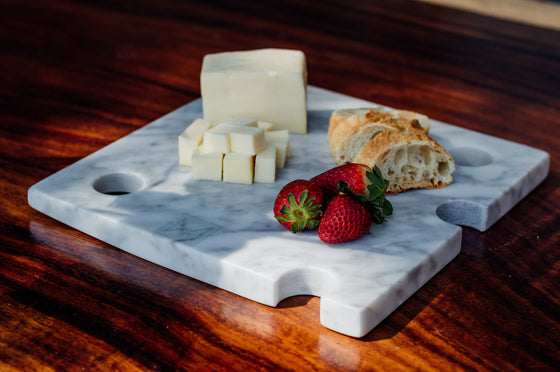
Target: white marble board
<point>225,234</point>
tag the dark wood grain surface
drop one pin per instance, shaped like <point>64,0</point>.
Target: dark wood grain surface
<point>77,75</point>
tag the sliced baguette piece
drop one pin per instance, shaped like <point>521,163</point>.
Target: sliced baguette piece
<point>349,135</point>
<point>408,159</point>
<point>339,116</point>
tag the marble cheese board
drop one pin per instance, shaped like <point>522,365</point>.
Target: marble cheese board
<point>133,194</point>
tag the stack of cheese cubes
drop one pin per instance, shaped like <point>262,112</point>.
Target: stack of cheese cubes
<point>240,150</point>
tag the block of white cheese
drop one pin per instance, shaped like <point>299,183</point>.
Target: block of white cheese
<point>266,84</point>
<point>247,140</point>
<point>207,165</point>
<point>190,139</point>
<point>280,139</point>
<point>238,168</point>
<point>265,165</point>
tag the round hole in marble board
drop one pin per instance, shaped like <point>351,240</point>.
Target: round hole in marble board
<point>470,156</point>
<point>118,184</point>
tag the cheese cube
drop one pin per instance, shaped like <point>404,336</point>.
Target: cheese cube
<point>247,140</point>
<point>207,165</point>
<point>239,168</point>
<point>281,155</point>
<point>217,139</point>
<point>265,84</point>
<point>265,125</point>
<point>280,139</point>
<point>190,139</point>
<point>265,165</point>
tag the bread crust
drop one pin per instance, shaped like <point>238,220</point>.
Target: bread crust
<point>350,129</point>
<point>339,116</point>
<point>352,133</point>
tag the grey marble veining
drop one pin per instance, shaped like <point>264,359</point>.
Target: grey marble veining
<point>225,234</point>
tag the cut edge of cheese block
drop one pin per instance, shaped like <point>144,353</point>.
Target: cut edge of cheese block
<point>207,165</point>
<point>247,140</point>
<point>281,140</point>
<point>265,125</point>
<point>217,139</point>
<point>265,165</point>
<point>238,168</point>
<point>191,138</point>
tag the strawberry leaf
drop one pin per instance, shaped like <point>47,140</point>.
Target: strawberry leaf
<point>387,208</point>
<point>375,202</point>
<point>301,215</point>
<point>343,188</point>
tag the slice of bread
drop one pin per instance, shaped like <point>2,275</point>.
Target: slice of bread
<point>399,145</point>
<point>349,130</point>
<point>408,160</point>
<point>339,116</point>
<point>348,137</point>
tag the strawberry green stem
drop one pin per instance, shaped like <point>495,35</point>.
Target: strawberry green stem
<point>302,214</point>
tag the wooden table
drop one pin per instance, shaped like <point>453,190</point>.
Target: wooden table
<point>77,75</point>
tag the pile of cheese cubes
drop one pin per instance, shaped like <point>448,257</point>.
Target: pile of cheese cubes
<point>240,150</point>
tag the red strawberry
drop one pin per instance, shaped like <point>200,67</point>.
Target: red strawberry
<point>366,184</point>
<point>345,219</point>
<point>299,205</point>
<point>355,176</point>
